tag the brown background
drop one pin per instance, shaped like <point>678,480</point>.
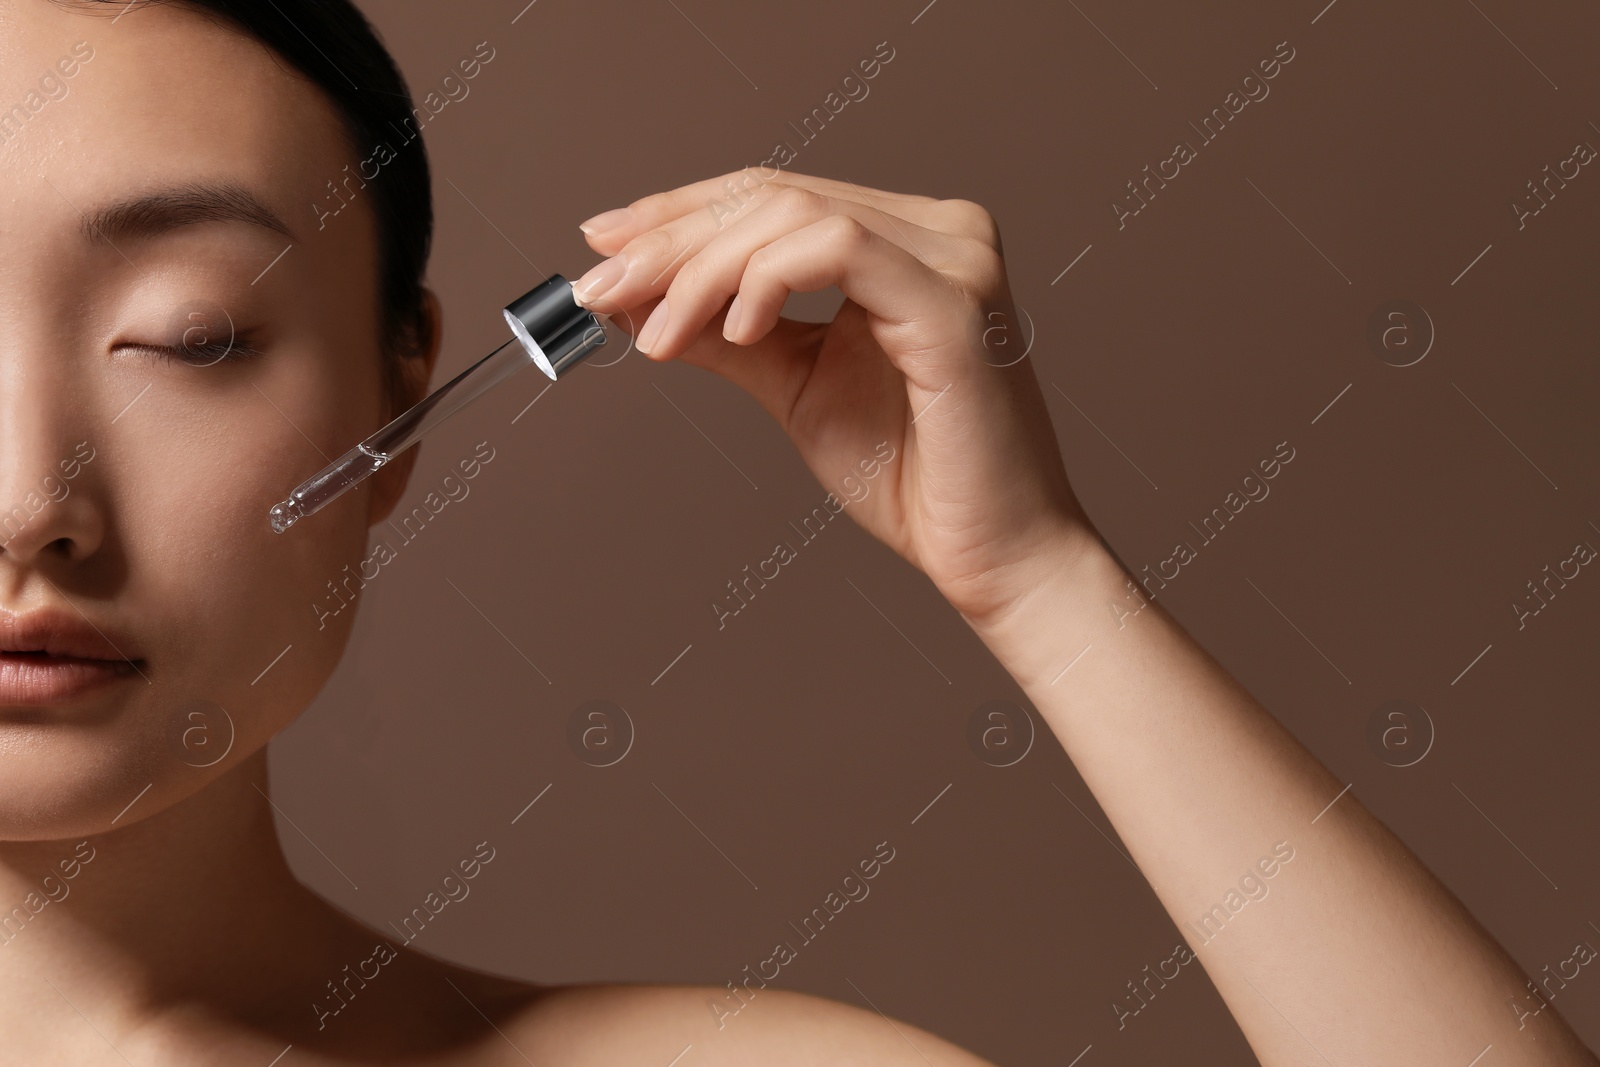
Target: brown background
<point>1220,322</point>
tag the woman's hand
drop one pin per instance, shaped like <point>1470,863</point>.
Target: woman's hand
<point>924,354</point>
<point>1193,773</point>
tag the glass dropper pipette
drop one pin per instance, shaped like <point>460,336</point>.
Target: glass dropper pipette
<point>554,333</point>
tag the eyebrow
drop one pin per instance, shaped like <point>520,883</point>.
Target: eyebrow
<point>156,213</point>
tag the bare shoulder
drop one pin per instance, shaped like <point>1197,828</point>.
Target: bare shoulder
<point>688,1025</point>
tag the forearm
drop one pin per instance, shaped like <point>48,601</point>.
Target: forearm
<point>1350,951</point>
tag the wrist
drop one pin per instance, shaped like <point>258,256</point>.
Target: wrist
<point>1076,591</point>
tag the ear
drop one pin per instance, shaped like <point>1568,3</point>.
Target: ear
<point>416,370</point>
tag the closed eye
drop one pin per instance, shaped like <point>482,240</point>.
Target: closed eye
<point>204,353</point>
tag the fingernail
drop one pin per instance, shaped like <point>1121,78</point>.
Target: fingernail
<point>653,326</point>
<point>606,220</point>
<point>730,323</point>
<point>601,278</point>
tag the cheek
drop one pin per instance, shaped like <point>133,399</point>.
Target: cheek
<point>224,609</point>
<point>224,593</point>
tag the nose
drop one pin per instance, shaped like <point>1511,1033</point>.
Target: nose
<point>47,514</point>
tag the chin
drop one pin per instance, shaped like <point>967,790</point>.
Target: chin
<point>65,775</point>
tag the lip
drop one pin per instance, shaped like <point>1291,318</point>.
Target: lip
<point>48,657</point>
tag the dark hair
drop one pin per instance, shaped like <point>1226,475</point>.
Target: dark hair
<point>370,94</point>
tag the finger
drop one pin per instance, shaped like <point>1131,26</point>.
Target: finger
<point>737,185</point>
<point>933,388</point>
<point>772,370</point>
<point>699,267</point>
<point>726,196</point>
<point>918,316</point>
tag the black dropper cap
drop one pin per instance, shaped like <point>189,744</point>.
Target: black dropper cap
<point>554,328</point>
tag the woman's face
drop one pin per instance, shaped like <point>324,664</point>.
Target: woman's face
<point>135,484</point>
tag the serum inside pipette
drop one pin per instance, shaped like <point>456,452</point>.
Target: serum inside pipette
<point>352,467</point>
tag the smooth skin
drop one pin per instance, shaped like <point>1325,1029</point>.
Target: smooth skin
<point>187,940</point>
